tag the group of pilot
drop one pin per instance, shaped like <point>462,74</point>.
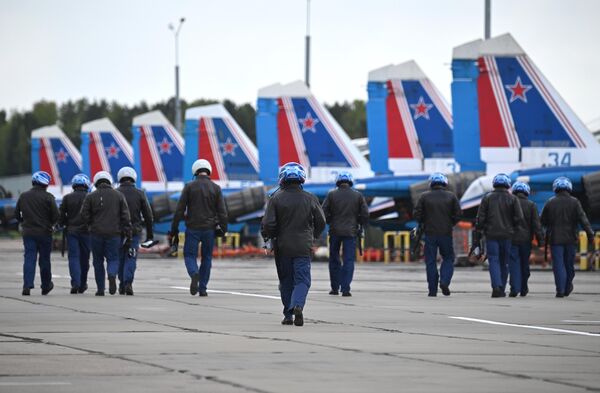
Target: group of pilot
<point>108,222</point>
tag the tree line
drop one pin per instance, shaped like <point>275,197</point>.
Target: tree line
<point>16,126</point>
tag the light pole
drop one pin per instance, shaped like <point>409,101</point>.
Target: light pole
<point>488,20</point>
<point>307,54</point>
<point>177,102</point>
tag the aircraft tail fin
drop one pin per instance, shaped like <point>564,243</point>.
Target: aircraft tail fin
<point>213,134</point>
<point>158,149</point>
<point>104,148</point>
<point>409,122</point>
<point>52,151</point>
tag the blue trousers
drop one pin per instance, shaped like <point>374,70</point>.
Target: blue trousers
<point>105,248</point>
<point>563,259</point>
<point>341,275</point>
<point>127,264</point>
<point>37,246</point>
<point>190,254</point>
<point>518,267</point>
<point>444,244</point>
<point>498,253</point>
<point>294,282</point>
<point>79,258</point>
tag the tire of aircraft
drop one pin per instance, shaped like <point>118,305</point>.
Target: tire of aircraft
<point>244,202</point>
<point>591,186</point>
<point>457,183</point>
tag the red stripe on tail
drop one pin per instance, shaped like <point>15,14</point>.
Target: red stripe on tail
<point>398,145</point>
<point>287,147</point>
<point>491,130</point>
<point>205,151</point>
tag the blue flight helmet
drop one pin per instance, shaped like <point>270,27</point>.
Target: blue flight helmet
<point>521,187</point>
<point>292,173</point>
<point>289,165</point>
<point>501,180</point>
<point>562,183</point>
<point>438,179</point>
<point>41,178</point>
<point>344,177</point>
<point>81,179</point>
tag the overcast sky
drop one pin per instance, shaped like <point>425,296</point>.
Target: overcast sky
<point>122,49</point>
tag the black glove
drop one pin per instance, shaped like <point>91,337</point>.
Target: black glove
<point>219,232</point>
<point>172,237</point>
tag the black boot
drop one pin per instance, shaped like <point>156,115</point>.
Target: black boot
<point>121,289</point>
<point>445,289</point>
<point>83,288</point>
<point>298,317</point>
<point>47,290</point>
<point>497,292</point>
<point>334,292</point>
<point>74,290</point>
<point>128,290</point>
<point>194,284</point>
<point>100,293</point>
<point>112,285</point>
<point>287,321</point>
<point>26,292</point>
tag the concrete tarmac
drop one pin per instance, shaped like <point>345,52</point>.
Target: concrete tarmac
<point>388,337</point>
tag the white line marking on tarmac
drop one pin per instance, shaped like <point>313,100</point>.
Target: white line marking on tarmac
<point>527,326</point>
<point>34,383</point>
<point>235,293</point>
<point>576,321</point>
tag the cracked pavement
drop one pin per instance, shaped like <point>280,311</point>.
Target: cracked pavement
<point>388,337</point>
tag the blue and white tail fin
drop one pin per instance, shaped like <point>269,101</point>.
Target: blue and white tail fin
<point>104,148</point>
<point>158,150</point>
<point>212,133</point>
<point>52,151</point>
<point>291,125</point>
<point>409,123</point>
<point>523,121</point>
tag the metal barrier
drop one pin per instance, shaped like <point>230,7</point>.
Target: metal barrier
<point>401,246</point>
<point>230,239</point>
<point>588,262</point>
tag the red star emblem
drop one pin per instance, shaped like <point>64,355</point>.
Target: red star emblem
<point>112,151</point>
<point>61,155</point>
<point>308,123</point>
<point>421,109</point>
<point>165,146</point>
<point>518,90</point>
<point>228,147</point>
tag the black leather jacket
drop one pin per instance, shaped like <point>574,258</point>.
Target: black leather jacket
<point>294,218</point>
<point>438,211</point>
<point>138,208</point>
<point>561,216</point>
<point>499,215</point>
<point>202,204</point>
<point>345,208</point>
<point>70,209</point>
<point>106,213</point>
<point>531,223</point>
<point>36,211</point>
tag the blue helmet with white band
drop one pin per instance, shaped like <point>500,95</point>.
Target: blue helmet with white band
<point>291,173</point>
<point>41,178</point>
<point>438,179</point>
<point>287,166</point>
<point>80,179</point>
<point>344,177</point>
<point>562,184</point>
<point>501,180</point>
<point>521,187</point>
